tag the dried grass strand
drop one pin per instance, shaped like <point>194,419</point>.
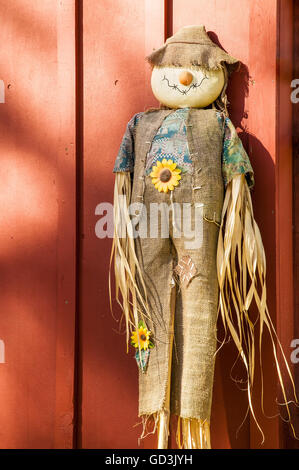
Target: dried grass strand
<point>241,268</point>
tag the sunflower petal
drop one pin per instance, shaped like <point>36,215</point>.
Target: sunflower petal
<point>175,177</point>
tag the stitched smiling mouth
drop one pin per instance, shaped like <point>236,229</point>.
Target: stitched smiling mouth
<point>184,92</point>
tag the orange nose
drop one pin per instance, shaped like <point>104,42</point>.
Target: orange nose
<point>185,78</point>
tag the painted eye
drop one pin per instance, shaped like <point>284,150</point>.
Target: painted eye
<point>185,78</point>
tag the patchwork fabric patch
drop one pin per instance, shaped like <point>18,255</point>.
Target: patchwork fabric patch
<point>171,142</point>
<point>186,270</point>
<point>142,358</point>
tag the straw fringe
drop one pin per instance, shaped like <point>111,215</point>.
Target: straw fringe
<point>146,420</point>
<point>126,266</point>
<point>191,433</point>
<point>241,267</point>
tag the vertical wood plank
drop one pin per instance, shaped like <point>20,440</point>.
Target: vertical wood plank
<point>117,38</point>
<point>249,33</point>
<point>285,218</point>
<point>262,109</point>
<point>296,191</point>
<point>229,27</point>
<point>168,18</point>
<point>37,223</point>
<point>66,240</point>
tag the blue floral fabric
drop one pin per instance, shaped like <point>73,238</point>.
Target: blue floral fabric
<point>171,142</point>
<point>125,157</point>
<point>235,160</point>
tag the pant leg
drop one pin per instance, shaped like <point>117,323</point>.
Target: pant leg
<point>155,256</point>
<point>195,330</point>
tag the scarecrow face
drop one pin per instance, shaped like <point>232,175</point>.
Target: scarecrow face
<point>194,87</point>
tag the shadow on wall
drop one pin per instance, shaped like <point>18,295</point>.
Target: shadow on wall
<point>226,372</point>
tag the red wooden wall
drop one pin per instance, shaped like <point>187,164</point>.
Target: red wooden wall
<point>74,74</point>
<point>37,229</point>
<point>296,190</point>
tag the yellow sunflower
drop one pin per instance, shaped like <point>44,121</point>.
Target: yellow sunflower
<point>165,175</point>
<point>141,337</point>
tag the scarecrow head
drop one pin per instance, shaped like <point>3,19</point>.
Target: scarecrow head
<point>190,70</point>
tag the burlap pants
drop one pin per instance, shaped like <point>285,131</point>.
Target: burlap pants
<point>195,311</point>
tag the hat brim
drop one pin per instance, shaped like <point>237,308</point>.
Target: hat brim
<point>183,54</point>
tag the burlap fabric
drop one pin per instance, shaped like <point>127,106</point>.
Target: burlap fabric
<point>191,45</point>
<point>196,305</point>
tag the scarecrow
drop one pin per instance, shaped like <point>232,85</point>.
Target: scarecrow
<point>184,164</point>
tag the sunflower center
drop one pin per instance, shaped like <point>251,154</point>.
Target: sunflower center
<point>165,175</point>
<point>143,337</point>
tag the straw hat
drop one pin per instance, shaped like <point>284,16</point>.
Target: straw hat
<point>192,46</point>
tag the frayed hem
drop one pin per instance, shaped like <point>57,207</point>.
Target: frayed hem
<point>146,421</point>
<point>191,433</point>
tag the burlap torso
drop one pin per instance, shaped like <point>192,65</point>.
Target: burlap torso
<point>192,369</point>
